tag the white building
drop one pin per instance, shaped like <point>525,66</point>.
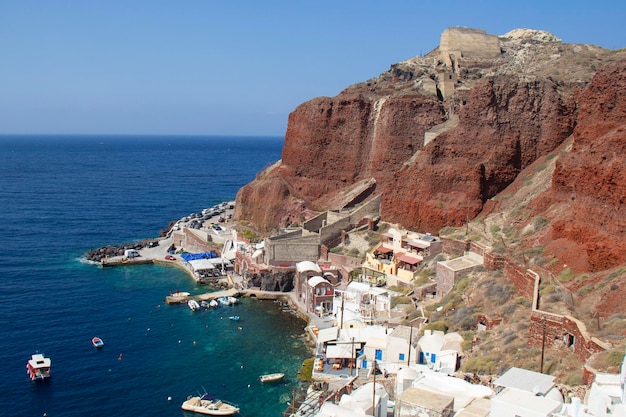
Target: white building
<point>363,302</point>
<point>524,393</point>
<point>368,399</point>
<point>440,351</point>
<point>463,392</point>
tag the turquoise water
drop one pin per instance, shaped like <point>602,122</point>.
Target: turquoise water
<point>59,197</point>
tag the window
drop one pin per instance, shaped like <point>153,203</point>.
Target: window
<point>401,356</point>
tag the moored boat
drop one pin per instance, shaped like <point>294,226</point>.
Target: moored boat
<point>97,342</point>
<point>208,404</point>
<point>38,367</point>
<point>179,294</point>
<point>272,377</point>
<point>193,305</point>
<point>236,318</point>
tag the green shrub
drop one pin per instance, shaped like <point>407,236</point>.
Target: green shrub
<point>400,300</point>
<point>565,275</point>
<point>494,228</point>
<point>585,290</point>
<point>534,251</point>
<point>437,325</point>
<point>573,378</point>
<point>248,234</point>
<point>306,371</point>
<point>447,231</point>
<point>539,222</point>
<point>481,366</point>
<point>615,358</point>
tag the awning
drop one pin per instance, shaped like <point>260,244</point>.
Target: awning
<point>411,260</point>
<point>328,334</point>
<point>383,249</point>
<point>201,264</point>
<point>343,351</point>
<point>418,244</point>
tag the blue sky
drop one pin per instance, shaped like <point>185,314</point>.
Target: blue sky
<point>232,67</point>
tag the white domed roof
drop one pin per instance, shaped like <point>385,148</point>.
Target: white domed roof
<point>407,373</point>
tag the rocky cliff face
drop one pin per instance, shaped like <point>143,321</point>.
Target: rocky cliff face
<point>485,120</point>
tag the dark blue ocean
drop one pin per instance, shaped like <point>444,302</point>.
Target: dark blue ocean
<point>63,195</point>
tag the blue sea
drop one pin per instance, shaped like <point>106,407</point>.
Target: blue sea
<point>63,195</point>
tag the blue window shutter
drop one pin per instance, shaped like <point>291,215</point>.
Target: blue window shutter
<point>401,356</point>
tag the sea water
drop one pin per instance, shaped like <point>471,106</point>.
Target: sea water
<point>63,195</point>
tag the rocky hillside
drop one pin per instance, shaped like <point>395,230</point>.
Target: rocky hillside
<point>450,137</point>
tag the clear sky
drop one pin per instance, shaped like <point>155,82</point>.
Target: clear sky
<point>233,67</point>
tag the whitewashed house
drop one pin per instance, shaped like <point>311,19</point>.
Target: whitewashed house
<point>524,393</point>
<point>369,399</point>
<point>440,351</point>
<point>363,302</point>
<point>402,346</point>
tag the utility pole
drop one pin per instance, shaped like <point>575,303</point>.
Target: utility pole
<point>353,353</point>
<point>408,360</point>
<point>342,305</point>
<point>374,391</point>
<point>543,344</point>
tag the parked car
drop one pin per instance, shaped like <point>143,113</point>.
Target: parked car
<point>170,258</point>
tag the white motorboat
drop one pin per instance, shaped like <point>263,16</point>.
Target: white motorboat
<point>180,294</point>
<point>97,342</point>
<point>213,303</point>
<point>38,367</point>
<point>193,305</point>
<point>272,377</point>
<point>208,404</point>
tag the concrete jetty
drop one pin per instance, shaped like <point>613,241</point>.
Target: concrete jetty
<point>177,299</point>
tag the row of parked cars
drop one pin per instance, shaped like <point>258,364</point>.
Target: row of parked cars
<point>196,220</point>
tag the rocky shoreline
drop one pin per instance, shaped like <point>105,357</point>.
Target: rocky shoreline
<point>110,251</point>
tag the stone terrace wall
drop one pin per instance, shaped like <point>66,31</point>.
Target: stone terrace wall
<point>562,332</point>
<point>523,280</point>
<point>494,261</point>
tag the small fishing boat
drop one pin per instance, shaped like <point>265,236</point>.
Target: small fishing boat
<point>193,305</point>
<point>236,318</point>
<point>208,404</point>
<point>213,303</point>
<point>38,367</point>
<point>97,342</point>
<point>271,377</point>
<point>179,294</point>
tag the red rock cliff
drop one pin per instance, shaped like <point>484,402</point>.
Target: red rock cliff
<point>510,114</point>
